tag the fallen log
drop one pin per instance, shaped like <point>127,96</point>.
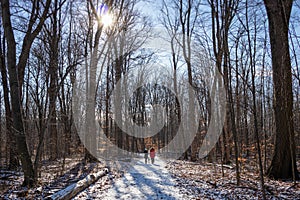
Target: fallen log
<point>219,165</point>
<point>73,189</point>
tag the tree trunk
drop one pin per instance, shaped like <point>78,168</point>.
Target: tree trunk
<point>72,190</point>
<point>283,165</point>
<point>11,143</point>
<point>53,67</point>
<point>15,96</point>
<point>117,100</point>
<point>255,118</point>
<point>90,136</point>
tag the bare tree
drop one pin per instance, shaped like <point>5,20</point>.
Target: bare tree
<point>53,31</point>
<point>16,78</point>
<point>223,12</point>
<point>252,58</point>
<point>283,164</point>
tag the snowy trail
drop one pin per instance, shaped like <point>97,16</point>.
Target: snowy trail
<point>144,181</point>
<point>140,182</point>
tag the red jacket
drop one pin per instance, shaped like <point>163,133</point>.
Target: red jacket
<point>152,153</point>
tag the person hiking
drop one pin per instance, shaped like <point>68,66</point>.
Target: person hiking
<point>152,155</point>
<point>146,155</point>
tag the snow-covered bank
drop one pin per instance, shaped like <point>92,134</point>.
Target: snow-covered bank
<point>205,181</point>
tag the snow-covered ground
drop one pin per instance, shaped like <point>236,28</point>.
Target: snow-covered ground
<point>176,179</point>
<point>184,180</point>
<point>140,181</point>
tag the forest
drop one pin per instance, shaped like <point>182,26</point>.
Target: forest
<point>89,87</point>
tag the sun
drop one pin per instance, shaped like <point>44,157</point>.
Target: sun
<point>107,20</point>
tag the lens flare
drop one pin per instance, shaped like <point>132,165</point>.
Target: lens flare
<point>107,20</point>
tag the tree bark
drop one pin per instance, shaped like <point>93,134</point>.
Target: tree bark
<point>283,165</point>
<point>53,67</point>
